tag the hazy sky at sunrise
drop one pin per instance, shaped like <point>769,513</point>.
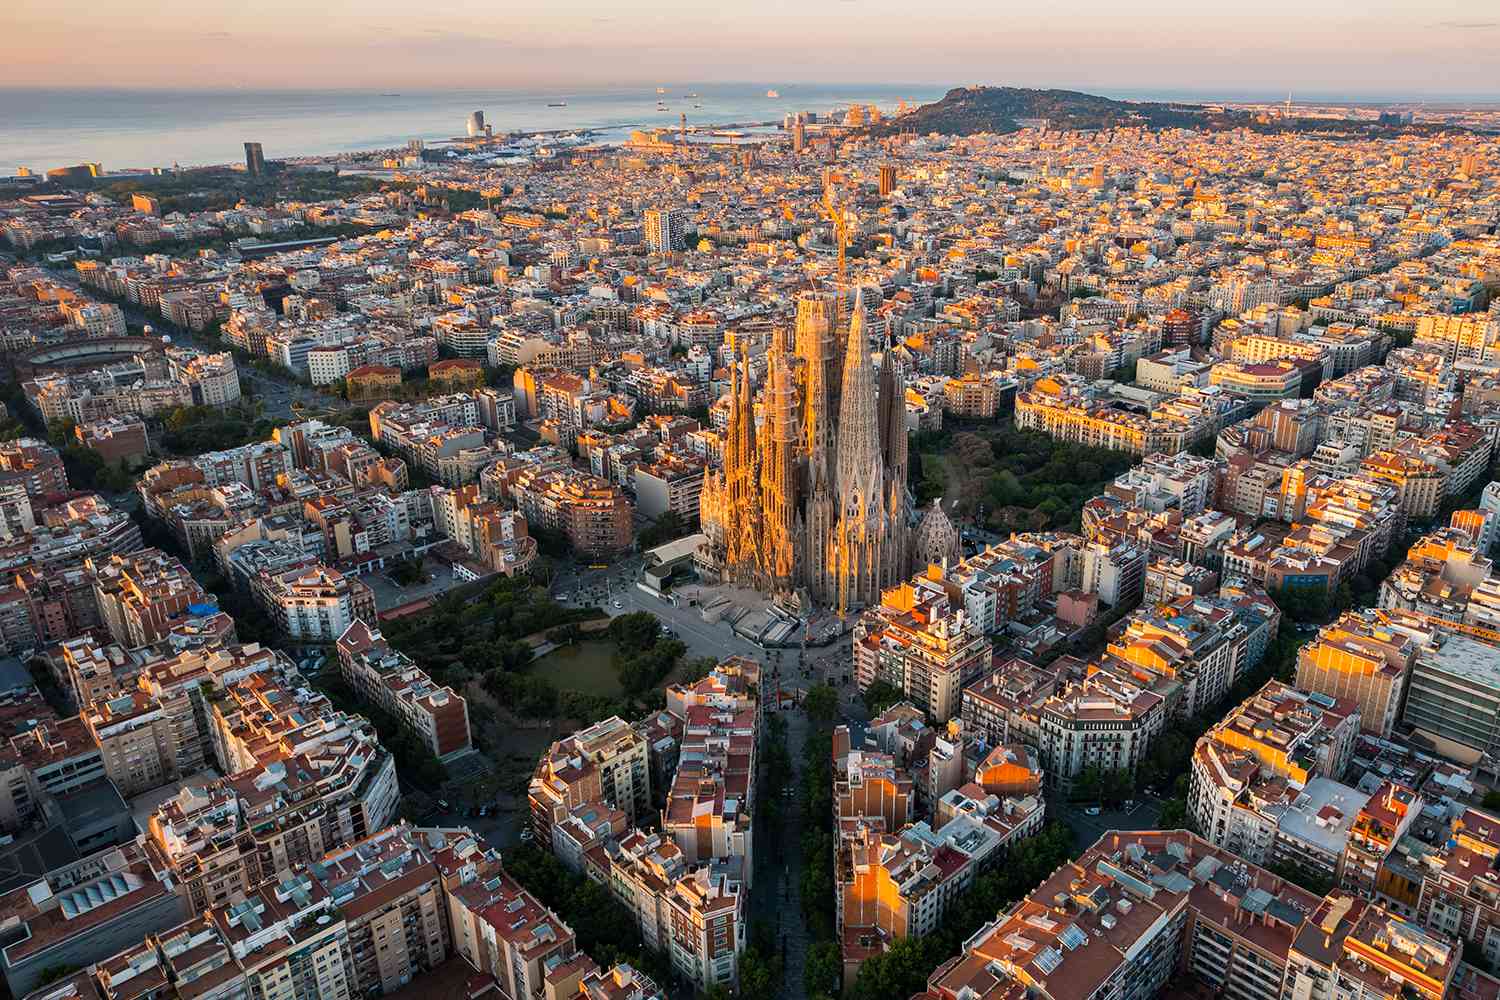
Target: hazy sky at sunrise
<point>1421,47</point>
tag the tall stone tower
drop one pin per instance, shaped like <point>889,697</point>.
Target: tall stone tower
<point>780,443</point>
<point>860,535</point>
<point>814,336</point>
<point>894,445</point>
<point>744,555</point>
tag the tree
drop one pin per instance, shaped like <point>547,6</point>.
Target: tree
<point>1297,873</point>
<point>881,695</point>
<point>53,973</point>
<point>664,529</point>
<point>1117,786</point>
<point>1089,785</point>
<point>1174,815</point>
<point>823,969</point>
<point>900,971</point>
<point>634,631</point>
<point>821,703</point>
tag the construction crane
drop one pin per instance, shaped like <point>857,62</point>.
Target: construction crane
<point>1447,625</point>
<point>842,220</point>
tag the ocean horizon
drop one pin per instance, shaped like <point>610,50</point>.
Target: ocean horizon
<point>124,128</point>
<point>128,129</point>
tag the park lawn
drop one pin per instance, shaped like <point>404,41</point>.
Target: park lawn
<point>586,666</point>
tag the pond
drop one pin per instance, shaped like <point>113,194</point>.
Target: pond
<point>586,666</point>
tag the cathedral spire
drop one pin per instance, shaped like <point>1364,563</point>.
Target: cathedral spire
<point>859,428</point>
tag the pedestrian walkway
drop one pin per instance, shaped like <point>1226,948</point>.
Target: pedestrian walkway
<point>776,900</point>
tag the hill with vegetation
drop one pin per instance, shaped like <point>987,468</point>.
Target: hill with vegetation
<point>967,110</point>
<point>972,110</point>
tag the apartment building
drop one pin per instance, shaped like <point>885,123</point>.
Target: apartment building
<point>199,836</point>
<point>34,465</point>
<point>498,927</point>
<point>1194,646</point>
<point>694,914</point>
<point>136,741</point>
<point>672,485</point>
<point>290,941</point>
<point>1360,657</point>
<point>1256,764</point>
<point>390,896</point>
<point>1135,910</point>
<point>1103,722</point>
<point>83,912</point>
<point>917,640</point>
<point>708,808</point>
<point>437,716</point>
<point>141,594</point>
<point>594,516</point>
<point>313,602</point>
<point>606,762</point>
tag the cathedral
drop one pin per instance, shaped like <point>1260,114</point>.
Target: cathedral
<point>806,503</point>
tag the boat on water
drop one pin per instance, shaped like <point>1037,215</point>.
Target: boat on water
<point>691,94</point>
<point>698,106</point>
<point>661,90</point>
<point>390,95</point>
<point>773,93</point>
<point>557,104</point>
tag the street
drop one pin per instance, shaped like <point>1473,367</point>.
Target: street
<point>1088,829</point>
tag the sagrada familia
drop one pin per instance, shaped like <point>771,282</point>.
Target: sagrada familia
<point>804,503</point>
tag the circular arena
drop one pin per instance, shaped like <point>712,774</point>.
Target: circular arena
<point>84,353</point>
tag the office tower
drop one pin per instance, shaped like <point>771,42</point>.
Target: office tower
<point>663,230</point>
<point>476,124</point>
<point>799,133</point>
<point>887,180</point>
<point>255,159</point>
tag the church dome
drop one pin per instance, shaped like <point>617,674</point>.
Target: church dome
<point>936,539</point>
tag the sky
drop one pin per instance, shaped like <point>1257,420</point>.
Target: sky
<point>1353,48</point>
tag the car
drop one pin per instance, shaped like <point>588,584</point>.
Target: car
<point>526,835</point>
<point>1091,811</point>
<point>618,605</point>
<point>443,805</point>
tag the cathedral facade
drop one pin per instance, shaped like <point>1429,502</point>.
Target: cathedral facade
<point>812,494</point>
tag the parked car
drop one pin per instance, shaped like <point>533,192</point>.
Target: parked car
<point>1091,811</point>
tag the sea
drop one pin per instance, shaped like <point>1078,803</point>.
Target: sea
<point>125,129</point>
